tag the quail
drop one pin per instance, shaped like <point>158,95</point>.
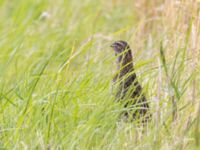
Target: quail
<point>129,91</point>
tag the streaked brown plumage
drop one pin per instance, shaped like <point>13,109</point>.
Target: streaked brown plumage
<point>129,90</point>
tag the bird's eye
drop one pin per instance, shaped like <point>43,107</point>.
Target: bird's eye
<point>119,47</point>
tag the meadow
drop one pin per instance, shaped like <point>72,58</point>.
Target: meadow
<point>56,70</point>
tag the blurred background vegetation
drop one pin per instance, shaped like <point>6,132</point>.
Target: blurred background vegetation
<point>56,68</point>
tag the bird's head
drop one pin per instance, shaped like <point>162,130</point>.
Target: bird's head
<point>120,46</point>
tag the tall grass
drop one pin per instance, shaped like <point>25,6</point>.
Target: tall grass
<point>56,69</point>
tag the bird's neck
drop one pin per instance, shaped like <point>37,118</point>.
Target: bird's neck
<point>125,65</point>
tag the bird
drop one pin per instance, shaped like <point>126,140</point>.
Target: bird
<point>129,91</point>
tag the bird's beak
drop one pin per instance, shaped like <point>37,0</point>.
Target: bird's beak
<point>113,45</point>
